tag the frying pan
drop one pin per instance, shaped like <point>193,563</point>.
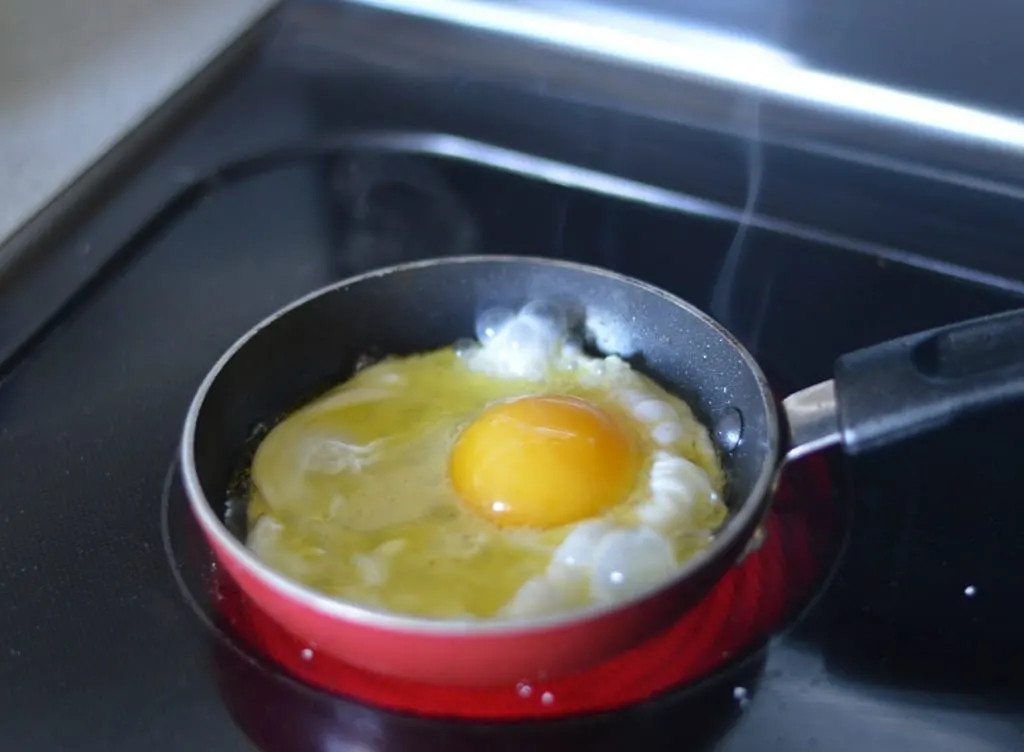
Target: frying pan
<point>879,395</point>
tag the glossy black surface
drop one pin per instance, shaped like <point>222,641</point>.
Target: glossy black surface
<point>913,647</point>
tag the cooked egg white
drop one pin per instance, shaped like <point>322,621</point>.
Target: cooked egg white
<point>508,476</point>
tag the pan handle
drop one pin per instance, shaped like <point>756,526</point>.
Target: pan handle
<point>908,386</point>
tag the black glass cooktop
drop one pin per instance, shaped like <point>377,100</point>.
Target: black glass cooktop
<point>261,195</point>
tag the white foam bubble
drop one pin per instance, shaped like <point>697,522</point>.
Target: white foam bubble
<point>676,485</point>
<point>668,432</point>
<point>464,347</point>
<point>632,397</point>
<point>526,344</point>
<point>673,489</point>
<point>658,512</point>
<point>630,561</point>
<point>535,597</point>
<point>609,333</point>
<point>571,355</point>
<point>653,411</point>
<point>491,322</point>
<point>577,550</point>
<point>549,314</point>
<point>670,467</point>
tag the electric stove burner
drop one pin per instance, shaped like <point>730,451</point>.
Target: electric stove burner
<point>711,657</point>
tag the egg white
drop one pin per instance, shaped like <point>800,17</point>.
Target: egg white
<point>673,512</point>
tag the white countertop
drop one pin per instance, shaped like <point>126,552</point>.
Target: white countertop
<point>77,75</point>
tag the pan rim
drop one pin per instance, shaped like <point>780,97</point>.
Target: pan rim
<point>746,516</point>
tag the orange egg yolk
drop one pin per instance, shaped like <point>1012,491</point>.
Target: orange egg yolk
<point>543,461</point>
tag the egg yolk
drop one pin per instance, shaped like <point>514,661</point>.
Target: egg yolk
<point>543,461</point>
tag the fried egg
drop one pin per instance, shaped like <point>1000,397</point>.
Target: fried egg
<point>508,476</point>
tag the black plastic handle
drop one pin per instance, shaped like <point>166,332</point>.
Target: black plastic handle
<point>924,381</point>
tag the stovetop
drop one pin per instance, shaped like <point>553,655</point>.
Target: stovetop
<point>304,162</point>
